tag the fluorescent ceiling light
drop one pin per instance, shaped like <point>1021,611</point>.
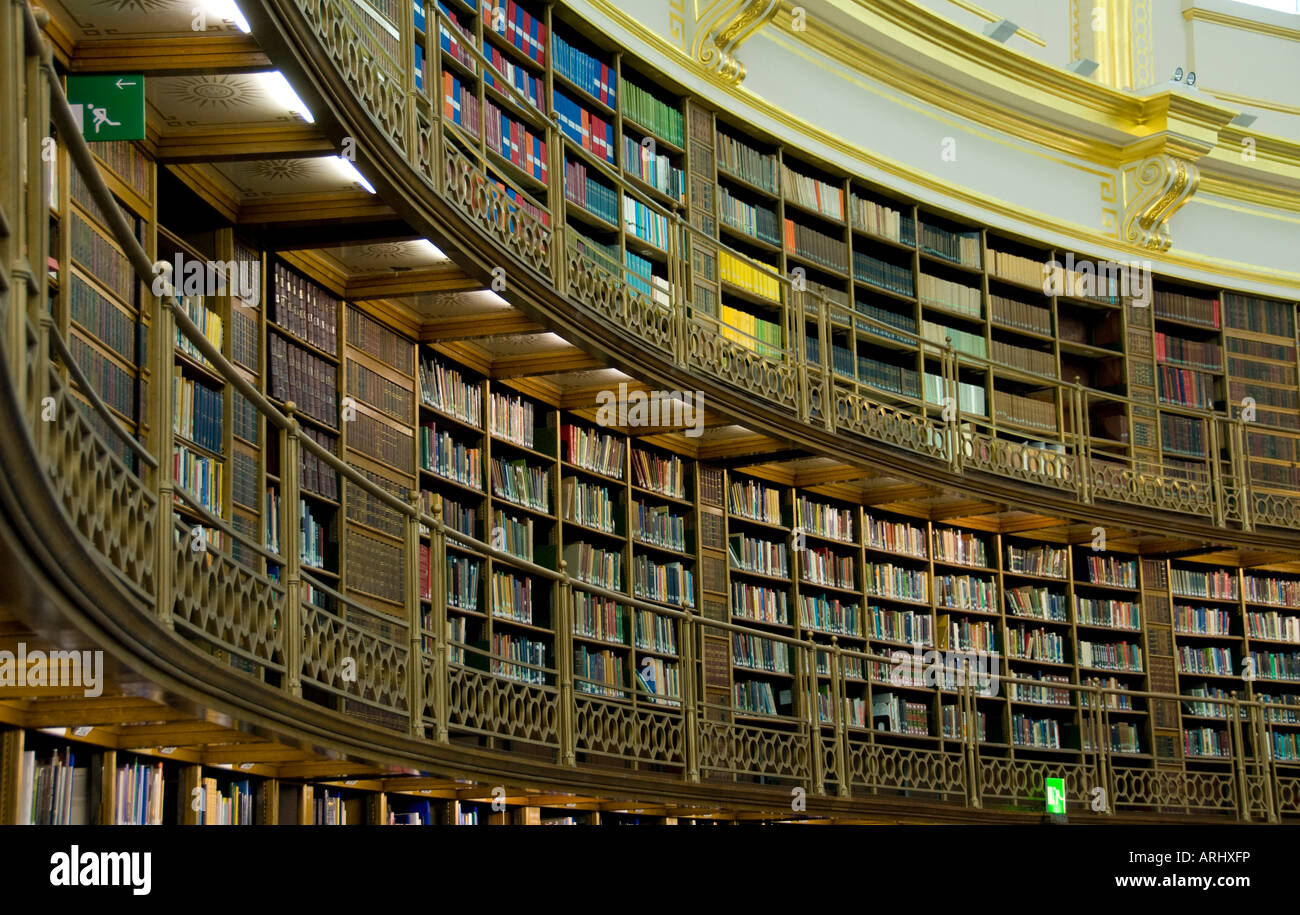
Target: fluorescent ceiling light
<point>350,172</point>
<point>228,11</point>
<point>430,248</point>
<point>1243,120</point>
<point>1084,66</point>
<point>282,94</point>
<point>1001,31</point>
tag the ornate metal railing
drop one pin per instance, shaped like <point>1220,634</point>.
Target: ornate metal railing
<point>208,586</point>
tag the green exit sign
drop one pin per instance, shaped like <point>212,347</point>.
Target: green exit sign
<point>108,107</point>
<point>1054,789</point>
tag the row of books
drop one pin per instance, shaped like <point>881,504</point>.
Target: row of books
<point>757,221</point>
<point>207,320</point>
<point>1112,614</point>
<point>951,296</point>
<point>906,626</point>
<point>1111,656</point>
<point>455,38</point>
<point>815,245</point>
<point>520,483</point>
<point>757,603</point>
<point>587,504</point>
<point>645,223</point>
<point>1182,307</point>
<point>751,554</point>
<point>513,653</point>
<point>1050,562</point>
<point>894,277</point>
<point>751,331</point>
<point>745,162</point>
<point>512,597</point>
<point>1201,620</point>
<point>594,565</point>
<point>1035,645</point>
<point>1040,362</point>
<point>652,632</point>
<point>658,473</point>
<point>753,500</point>
<point>600,672</point>
<point>1107,570</point>
<point>1259,316</point>
<point>596,451</point>
<point>887,580</point>
<point>1044,733</point>
<point>524,31</point>
<point>962,634</point>
<point>234,808</point>
<point>1018,269</point>
<point>822,566</point>
<point>958,546</point>
<point>970,396</point>
<point>1281,591</point>
<point>669,583</point>
<point>53,792</point>
<point>1218,584</point>
<point>592,133</point>
<point>1030,412</point>
<point>760,654</point>
<point>138,794</point>
<point>655,169</point>
<point>1270,665</point>
<point>445,388</point>
<point>824,520</point>
<point>462,585</point>
<point>528,85</point>
<point>305,310</point>
<point>884,221</point>
<point>514,142</point>
<point>828,614</point>
<point>963,341</point>
<point>200,476</point>
<point>648,111</point>
<point>460,104</point>
<point>813,193</point>
<point>593,196</point>
<point>512,418</point>
<point>598,618</point>
<point>1041,695</point>
<point>1039,603</point>
<point>591,75</point>
<point>958,247</point>
<point>1014,313</point>
<point>1185,387</point>
<point>660,526</point>
<point>1196,353</point>
<point>643,279</point>
<point>441,454</point>
<point>115,386</point>
<point>304,378</point>
<point>110,324</point>
<point>895,536</point>
<point>198,411</point>
<point>891,712</point>
<point>103,260</point>
<point>966,592</point>
<point>314,535</point>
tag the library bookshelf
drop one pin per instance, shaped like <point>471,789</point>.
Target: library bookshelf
<point>511,575</point>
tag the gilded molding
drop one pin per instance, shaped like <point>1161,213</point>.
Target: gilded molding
<point>721,29</point>
<point>1155,189</point>
<point>1239,22</point>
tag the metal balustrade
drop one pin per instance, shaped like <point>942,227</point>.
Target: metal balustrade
<point>414,680</point>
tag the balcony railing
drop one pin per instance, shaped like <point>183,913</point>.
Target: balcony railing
<point>297,636</point>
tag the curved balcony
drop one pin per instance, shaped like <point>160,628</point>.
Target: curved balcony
<point>105,555</point>
<point>432,172</point>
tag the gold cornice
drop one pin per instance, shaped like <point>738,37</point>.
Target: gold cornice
<point>1238,22</point>
<point>1123,107</point>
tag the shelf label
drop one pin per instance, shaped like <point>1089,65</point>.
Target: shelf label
<point>108,107</point>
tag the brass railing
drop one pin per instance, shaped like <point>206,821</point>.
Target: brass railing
<point>210,586</point>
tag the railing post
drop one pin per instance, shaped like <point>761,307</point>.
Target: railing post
<point>951,404</point>
<point>690,700</point>
<point>1239,764</point>
<point>812,719</point>
<point>1267,765</point>
<point>839,706</point>
<point>970,737</point>
<point>292,551</point>
<point>442,648</point>
<point>414,618</point>
<point>1101,714</point>
<point>564,667</point>
<point>1245,487</point>
<point>1216,472</point>
<point>823,352</point>
<point>159,392</point>
<point>1077,403</point>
